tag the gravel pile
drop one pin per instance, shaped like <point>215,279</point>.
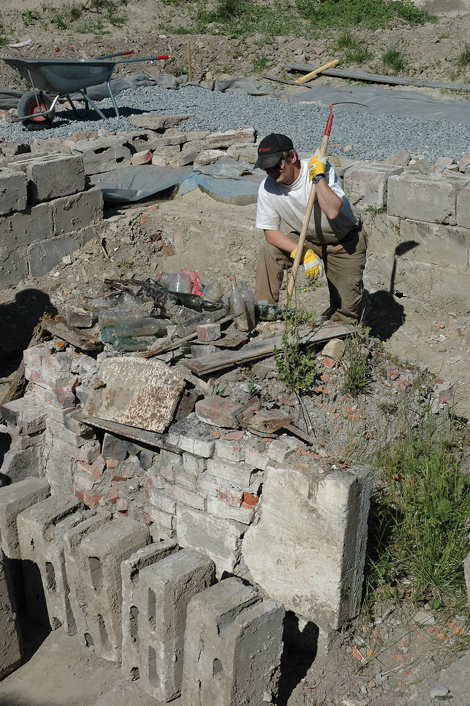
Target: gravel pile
<point>365,135</point>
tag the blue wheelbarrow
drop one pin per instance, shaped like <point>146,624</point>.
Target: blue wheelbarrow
<point>53,79</point>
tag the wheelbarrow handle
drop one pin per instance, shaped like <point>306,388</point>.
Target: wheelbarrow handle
<point>119,53</point>
<point>146,58</point>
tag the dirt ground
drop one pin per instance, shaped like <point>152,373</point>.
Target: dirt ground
<point>401,654</point>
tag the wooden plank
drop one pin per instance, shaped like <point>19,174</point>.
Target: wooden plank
<point>378,78</point>
<point>143,436</point>
<point>57,326</point>
<point>255,351</point>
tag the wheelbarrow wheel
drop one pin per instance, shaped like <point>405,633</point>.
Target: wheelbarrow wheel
<point>32,103</point>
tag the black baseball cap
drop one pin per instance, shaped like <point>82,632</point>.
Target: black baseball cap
<point>270,150</point>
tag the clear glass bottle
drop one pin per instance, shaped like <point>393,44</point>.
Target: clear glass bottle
<point>186,328</point>
<point>128,300</point>
<point>212,292</point>
<point>249,298</point>
<point>163,278</point>
<point>140,327</point>
<point>108,317</point>
<point>107,334</point>
<point>237,306</point>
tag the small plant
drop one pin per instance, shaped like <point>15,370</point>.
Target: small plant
<point>296,367</point>
<point>393,58</point>
<point>355,365</point>
<point>260,64</point>
<point>125,264</point>
<point>347,41</point>
<point>463,59</point>
<point>76,12</point>
<point>59,20</point>
<point>29,17</point>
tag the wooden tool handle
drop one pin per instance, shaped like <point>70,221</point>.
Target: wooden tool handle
<point>308,212</point>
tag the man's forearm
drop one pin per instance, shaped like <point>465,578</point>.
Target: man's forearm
<point>329,202</point>
<point>279,240</point>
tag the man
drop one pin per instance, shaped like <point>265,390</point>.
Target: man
<point>334,237</point>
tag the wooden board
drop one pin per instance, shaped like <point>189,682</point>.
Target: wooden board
<point>135,392</point>
<point>57,326</point>
<point>150,438</point>
<point>377,78</point>
<point>256,351</point>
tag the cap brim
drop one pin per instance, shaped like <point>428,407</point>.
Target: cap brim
<point>267,161</point>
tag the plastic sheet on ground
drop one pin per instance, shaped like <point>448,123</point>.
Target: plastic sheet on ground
<point>386,101</point>
<point>227,181</point>
<point>138,181</point>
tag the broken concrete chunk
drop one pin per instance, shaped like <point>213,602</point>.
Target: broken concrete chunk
<point>14,499</point>
<point>208,157</point>
<point>103,155</point>
<point>401,159</point>
<point>223,140</point>
<point>334,349</point>
<point>11,645</point>
<point>143,157</point>
<point>13,190</point>
<point>192,435</point>
<point>218,411</point>
<point>79,317</point>
<point>149,121</point>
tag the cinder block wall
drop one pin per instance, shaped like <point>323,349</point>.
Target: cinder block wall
<point>45,214</point>
<point>419,230</point>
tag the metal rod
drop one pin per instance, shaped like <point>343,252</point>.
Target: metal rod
<point>189,60</point>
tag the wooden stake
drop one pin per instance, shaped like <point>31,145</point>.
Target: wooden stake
<point>189,60</point>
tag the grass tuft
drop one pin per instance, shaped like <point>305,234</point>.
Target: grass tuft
<point>394,59</point>
<point>296,367</point>
<point>355,365</point>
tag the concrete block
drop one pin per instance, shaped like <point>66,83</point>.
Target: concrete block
<point>307,549</point>
<point>232,648</point>
<point>280,449</point>
<point>46,254</point>
<point>13,268</point>
<point>11,645</point>
<point>76,568</point>
<point>130,572</point>
<point>162,596</point>
<point>431,198</point>
<point>24,458</point>
<point>25,227</point>
<point>186,496</point>
<point>463,207</point>
<point>256,456</point>
<point>436,244</point>
<point>222,509</point>
<point>26,413</point>
<point>103,155</point>
<point>41,530</point>
<point>244,152</point>
<point>115,447</point>
<point>59,471</point>
<point>207,157</point>
<point>401,159</point>
<point>76,212</point>
<point>102,553</point>
<point>193,464</point>
<point>51,176</point>
<point>140,140</point>
<point>14,499</point>
<point>240,474</point>
<point>193,436</point>
<point>220,539</point>
<point>466,565</point>
<point>13,195</point>
<point>218,411</point>
<point>366,185</point>
<point>228,450</point>
<point>148,121</point>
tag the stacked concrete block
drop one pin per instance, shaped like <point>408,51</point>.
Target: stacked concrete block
<point>48,214</point>
<point>233,647</point>
<point>11,647</point>
<point>435,244</point>
<point>366,185</point>
<point>14,499</point>
<point>307,548</point>
<point>51,176</point>
<point>13,185</point>
<point>41,530</point>
<point>104,154</point>
<point>26,420</point>
<point>130,572</point>
<point>423,198</point>
<point>95,579</point>
<point>26,415</point>
<point>76,570</point>
<point>162,597</point>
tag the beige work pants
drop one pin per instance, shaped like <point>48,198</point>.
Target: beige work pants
<point>344,264</point>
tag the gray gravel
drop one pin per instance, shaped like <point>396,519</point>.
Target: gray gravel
<point>368,136</point>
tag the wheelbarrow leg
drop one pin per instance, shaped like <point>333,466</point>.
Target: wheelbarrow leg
<point>116,109</point>
<point>88,99</point>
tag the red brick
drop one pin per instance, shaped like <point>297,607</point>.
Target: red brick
<point>113,493</point>
<point>93,469</point>
<point>218,411</point>
<point>249,500</point>
<point>328,363</point>
<point>143,157</point>
<point>208,332</point>
<point>234,436</point>
<point>92,501</point>
<point>446,395</point>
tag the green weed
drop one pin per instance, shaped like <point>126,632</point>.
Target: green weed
<point>295,366</point>
<point>355,365</point>
<point>260,64</point>
<point>463,59</point>
<point>347,41</point>
<point>419,519</point>
<point>368,13</point>
<point>29,17</point>
<point>393,58</point>
<point>358,56</point>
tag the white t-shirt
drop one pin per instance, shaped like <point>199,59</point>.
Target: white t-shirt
<point>281,202</point>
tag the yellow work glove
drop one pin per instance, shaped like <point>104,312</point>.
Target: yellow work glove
<point>312,264</point>
<point>317,165</point>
